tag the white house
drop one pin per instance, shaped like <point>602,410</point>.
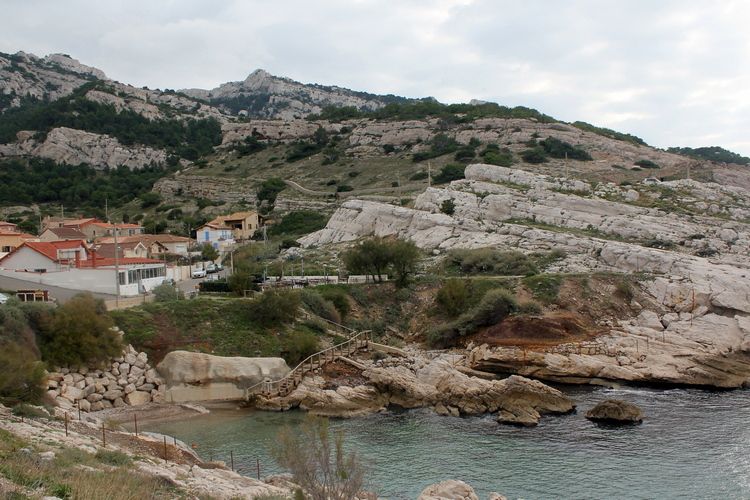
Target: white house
<point>217,235</point>
<point>73,265</point>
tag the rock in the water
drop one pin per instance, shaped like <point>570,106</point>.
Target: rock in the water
<point>448,490</point>
<point>615,411</point>
<point>192,376</point>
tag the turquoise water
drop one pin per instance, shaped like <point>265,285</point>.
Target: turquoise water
<point>693,444</point>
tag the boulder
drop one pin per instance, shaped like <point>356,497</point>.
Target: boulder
<point>192,376</point>
<point>112,394</point>
<point>448,490</point>
<point>84,405</point>
<point>72,394</point>
<point>138,398</point>
<point>615,411</point>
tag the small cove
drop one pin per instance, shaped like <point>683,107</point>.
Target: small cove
<point>693,444</point>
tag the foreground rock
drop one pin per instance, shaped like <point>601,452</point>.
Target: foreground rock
<point>193,376</point>
<point>418,383</point>
<point>615,411</point>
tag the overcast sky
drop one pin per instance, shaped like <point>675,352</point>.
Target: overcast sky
<point>672,72</point>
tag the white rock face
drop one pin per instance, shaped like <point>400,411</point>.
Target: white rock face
<point>75,147</point>
<point>690,289</point>
<point>192,376</point>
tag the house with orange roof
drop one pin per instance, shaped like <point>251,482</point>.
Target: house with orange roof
<point>10,240</point>
<point>156,244</point>
<point>92,227</point>
<point>74,265</point>
<point>61,233</point>
<point>224,230</point>
<point>8,227</point>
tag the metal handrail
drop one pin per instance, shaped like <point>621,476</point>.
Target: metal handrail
<point>268,385</point>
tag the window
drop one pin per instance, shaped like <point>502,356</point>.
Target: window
<point>7,249</point>
<point>121,278</point>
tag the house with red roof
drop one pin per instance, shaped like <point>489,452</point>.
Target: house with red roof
<point>73,264</point>
<point>93,228</point>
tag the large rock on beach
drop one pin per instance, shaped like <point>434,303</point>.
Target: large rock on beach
<point>615,411</point>
<point>448,490</point>
<point>192,376</point>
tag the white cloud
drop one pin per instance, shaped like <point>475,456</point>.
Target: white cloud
<point>671,72</point>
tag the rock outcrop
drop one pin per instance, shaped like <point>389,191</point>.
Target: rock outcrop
<point>415,383</point>
<point>262,95</point>
<point>127,381</point>
<point>697,333</point>
<point>75,147</point>
<point>193,376</point>
<point>615,411</point>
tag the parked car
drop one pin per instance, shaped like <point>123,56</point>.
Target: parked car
<point>211,268</point>
<point>3,298</point>
<point>198,273</point>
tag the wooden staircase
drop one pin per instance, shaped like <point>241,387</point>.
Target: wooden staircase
<point>285,385</point>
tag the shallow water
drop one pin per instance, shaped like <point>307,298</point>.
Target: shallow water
<point>693,444</point>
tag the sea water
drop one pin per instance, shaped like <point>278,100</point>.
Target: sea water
<point>693,444</point>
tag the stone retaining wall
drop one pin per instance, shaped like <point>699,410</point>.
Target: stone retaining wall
<point>126,380</point>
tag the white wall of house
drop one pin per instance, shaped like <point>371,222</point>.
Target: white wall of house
<point>216,237</point>
<point>178,248</point>
<point>99,280</point>
<point>26,258</point>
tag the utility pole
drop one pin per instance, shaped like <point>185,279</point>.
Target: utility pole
<point>265,236</point>
<point>106,208</point>
<point>429,174</point>
<point>117,271</point>
<point>566,166</point>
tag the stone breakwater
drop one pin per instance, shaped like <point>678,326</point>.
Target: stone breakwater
<point>127,381</point>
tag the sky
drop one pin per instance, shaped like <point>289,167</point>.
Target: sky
<point>675,73</point>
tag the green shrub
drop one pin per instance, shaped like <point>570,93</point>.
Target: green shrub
<point>534,155</point>
<point>419,176</point>
<point>491,261</point>
<point>448,207</point>
<point>79,334</point>
<point>28,411</point>
<point>544,287</point>
<point>453,297</point>
<point>338,297</point>
<point>298,345</point>
<point>320,306</point>
<point>450,172</point>
<point>529,307</point>
<point>440,145</point>
<point>495,306</point>
<point>646,164</point>
<point>343,188</point>
<point>22,376</point>
<point>149,199</point>
<point>167,292</point>
<point>275,307</point>
<point>299,222</point>
<point>113,457</point>
<point>270,189</point>
<point>560,149</point>
<point>624,289</point>
<point>496,156</point>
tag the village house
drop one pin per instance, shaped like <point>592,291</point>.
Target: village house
<point>156,244</point>
<point>225,230</point>
<point>8,227</point>
<point>12,239</point>
<point>61,234</point>
<point>92,227</point>
<point>74,265</point>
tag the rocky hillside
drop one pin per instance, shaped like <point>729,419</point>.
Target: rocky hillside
<point>262,95</point>
<point>687,241</point>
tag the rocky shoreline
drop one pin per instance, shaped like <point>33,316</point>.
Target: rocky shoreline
<point>418,382</point>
